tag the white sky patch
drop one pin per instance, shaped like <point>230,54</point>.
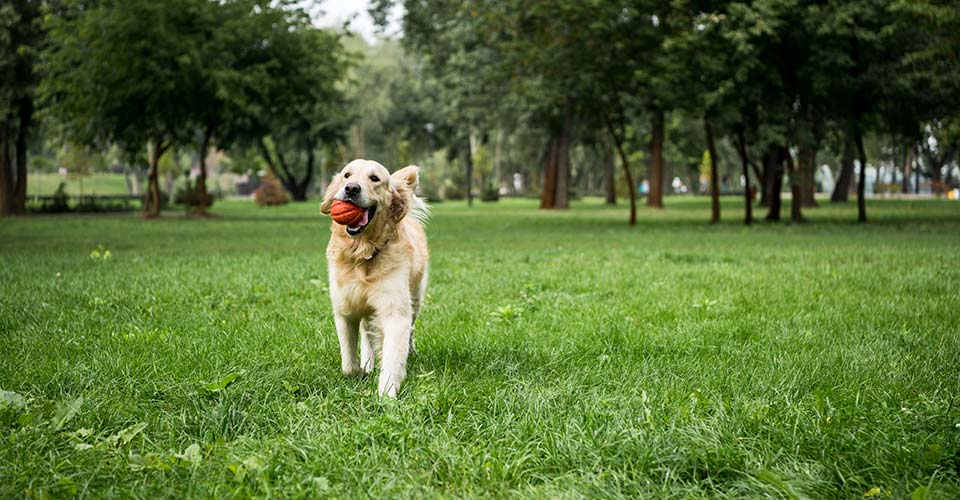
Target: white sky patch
<point>335,13</point>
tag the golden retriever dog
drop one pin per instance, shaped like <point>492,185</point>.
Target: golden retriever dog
<point>378,268</point>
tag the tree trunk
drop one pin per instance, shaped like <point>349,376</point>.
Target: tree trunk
<point>563,162</point>
<point>151,202</point>
<point>806,171</point>
<point>907,163</point>
<point>745,163</point>
<point>916,174</point>
<point>20,188</point>
<point>655,196</point>
<point>796,189</point>
<point>775,180</point>
<point>841,190</point>
<point>202,178</point>
<point>469,164</point>
<point>714,183</point>
<point>497,156</point>
<point>548,194</point>
<point>609,175</point>
<point>6,174</point>
<point>771,160</point>
<point>861,185</point>
<point>626,172</point>
<point>303,187</point>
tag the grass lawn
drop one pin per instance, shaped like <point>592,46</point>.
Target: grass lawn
<point>559,355</point>
<point>102,184</point>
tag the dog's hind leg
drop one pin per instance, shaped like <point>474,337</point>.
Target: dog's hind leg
<point>416,302</point>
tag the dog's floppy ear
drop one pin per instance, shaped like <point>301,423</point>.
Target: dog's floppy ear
<point>409,175</point>
<point>403,184</point>
<point>329,194</point>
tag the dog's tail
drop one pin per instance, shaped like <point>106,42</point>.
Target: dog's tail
<point>419,210</point>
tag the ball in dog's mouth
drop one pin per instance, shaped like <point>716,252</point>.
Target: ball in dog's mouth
<point>367,217</point>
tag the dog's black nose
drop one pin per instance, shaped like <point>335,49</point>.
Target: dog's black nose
<point>352,189</point>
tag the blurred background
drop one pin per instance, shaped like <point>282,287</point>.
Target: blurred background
<point>141,105</point>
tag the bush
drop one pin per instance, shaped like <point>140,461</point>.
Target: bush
<point>490,193</point>
<point>190,196</point>
<point>270,193</point>
<point>453,191</point>
<point>60,202</point>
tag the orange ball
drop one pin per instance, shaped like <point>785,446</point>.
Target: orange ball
<point>346,213</point>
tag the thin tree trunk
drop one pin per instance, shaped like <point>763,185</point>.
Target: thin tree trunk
<point>6,174</point>
<point>714,182</point>
<point>626,172</point>
<point>655,195</point>
<point>548,194</point>
<point>745,162</point>
<point>916,174</point>
<point>907,163</point>
<point>151,202</point>
<point>796,189</point>
<point>279,169</point>
<point>469,161</point>
<point>771,169</point>
<point>609,175</point>
<point>202,178</point>
<point>497,156</point>
<point>776,184</point>
<point>563,162</point>
<point>20,188</point>
<point>304,185</point>
<point>807,164</point>
<point>841,190</point>
<point>861,185</point>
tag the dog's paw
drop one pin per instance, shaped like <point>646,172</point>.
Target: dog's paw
<point>353,371</point>
<point>389,385</point>
<point>367,367</point>
<point>390,392</point>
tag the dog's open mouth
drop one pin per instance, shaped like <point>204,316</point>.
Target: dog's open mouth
<point>364,222</point>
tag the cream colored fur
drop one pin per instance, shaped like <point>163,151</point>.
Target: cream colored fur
<point>378,278</point>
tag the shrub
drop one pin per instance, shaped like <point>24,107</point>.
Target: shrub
<point>270,193</point>
<point>453,191</point>
<point>60,202</point>
<point>190,196</point>
<point>490,193</point>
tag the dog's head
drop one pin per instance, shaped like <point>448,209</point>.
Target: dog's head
<point>385,198</point>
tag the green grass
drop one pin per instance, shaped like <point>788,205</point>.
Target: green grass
<point>560,355</point>
<point>102,184</point>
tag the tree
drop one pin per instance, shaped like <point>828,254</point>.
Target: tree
<point>21,37</point>
<point>123,74</point>
<point>280,86</point>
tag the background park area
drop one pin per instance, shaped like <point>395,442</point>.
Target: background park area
<point>678,249</point>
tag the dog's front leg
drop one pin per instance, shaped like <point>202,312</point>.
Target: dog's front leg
<point>347,329</point>
<point>396,347</point>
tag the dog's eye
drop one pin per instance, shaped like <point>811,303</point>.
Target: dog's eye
<point>374,178</point>
<point>346,175</point>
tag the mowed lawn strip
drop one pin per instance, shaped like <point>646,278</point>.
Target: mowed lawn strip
<point>558,354</point>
